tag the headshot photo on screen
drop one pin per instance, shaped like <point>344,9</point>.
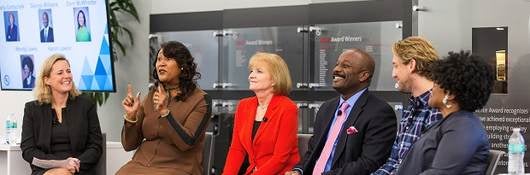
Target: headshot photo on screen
<point>45,23</point>
<point>82,24</point>
<point>11,25</point>
<point>27,68</point>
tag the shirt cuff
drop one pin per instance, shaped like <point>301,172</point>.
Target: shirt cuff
<point>299,170</point>
<point>129,120</point>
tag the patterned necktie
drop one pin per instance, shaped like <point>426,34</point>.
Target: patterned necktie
<point>332,136</point>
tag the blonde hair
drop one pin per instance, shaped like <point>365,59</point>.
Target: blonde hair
<point>418,49</point>
<point>278,69</point>
<point>42,91</point>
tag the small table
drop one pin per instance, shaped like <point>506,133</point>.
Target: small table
<point>11,161</point>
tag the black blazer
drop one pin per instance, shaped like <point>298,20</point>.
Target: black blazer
<point>83,127</point>
<point>359,153</point>
<point>30,84</point>
<point>50,35</point>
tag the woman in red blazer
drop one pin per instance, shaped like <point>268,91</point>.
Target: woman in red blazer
<point>265,125</point>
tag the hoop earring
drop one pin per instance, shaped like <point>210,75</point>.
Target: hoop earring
<point>444,101</point>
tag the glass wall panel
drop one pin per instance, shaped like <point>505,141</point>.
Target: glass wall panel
<point>204,47</point>
<point>376,38</point>
<point>241,43</point>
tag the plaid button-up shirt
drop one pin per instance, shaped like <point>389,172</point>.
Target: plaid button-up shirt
<point>416,118</point>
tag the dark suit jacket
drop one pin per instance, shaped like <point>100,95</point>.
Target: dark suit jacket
<point>274,149</point>
<point>12,34</point>
<point>50,36</point>
<point>31,83</point>
<point>82,120</point>
<point>457,144</point>
<point>359,153</point>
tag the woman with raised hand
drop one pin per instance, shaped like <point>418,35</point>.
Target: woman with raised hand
<point>167,129</point>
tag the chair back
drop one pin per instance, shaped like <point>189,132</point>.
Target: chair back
<point>101,166</point>
<point>207,156</point>
<point>303,140</point>
<point>495,155</point>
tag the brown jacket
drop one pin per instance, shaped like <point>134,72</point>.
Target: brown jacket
<point>173,144</point>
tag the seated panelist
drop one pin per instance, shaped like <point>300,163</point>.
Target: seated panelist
<point>167,129</point>
<point>264,139</point>
<point>60,131</point>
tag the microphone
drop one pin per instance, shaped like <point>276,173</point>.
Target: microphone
<point>152,85</point>
<point>396,85</point>
<point>339,113</point>
<point>264,119</point>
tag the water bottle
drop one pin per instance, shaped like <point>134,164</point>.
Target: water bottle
<point>11,129</point>
<point>516,149</point>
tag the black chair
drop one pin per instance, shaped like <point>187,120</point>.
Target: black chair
<point>495,155</point>
<point>303,140</point>
<point>101,166</point>
<point>207,156</point>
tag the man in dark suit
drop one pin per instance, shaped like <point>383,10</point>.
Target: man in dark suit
<point>356,143</point>
<point>46,33</point>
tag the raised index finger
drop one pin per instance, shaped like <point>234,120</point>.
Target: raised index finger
<point>129,90</point>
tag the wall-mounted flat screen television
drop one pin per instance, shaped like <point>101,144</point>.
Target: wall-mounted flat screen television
<point>32,30</point>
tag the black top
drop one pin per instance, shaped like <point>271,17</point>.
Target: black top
<point>60,141</point>
<point>246,163</point>
<point>457,144</point>
<point>80,120</point>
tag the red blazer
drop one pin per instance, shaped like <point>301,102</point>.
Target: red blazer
<point>274,149</point>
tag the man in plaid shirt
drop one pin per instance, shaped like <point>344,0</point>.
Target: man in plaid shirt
<point>411,60</point>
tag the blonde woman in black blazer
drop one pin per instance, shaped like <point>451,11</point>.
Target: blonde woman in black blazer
<point>60,132</point>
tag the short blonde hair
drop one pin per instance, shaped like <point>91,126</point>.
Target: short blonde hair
<point>278,70</point>
<point>42,91</point>
<point>418,49</point>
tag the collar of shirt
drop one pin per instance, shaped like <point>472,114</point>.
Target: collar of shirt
<point>351,101</point>
<point>420,101</point>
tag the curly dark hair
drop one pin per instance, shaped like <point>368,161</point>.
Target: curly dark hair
<point>26,60</point>
<point>189,75</point>
<point>467,77</point>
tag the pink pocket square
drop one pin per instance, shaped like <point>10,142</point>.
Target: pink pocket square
<point>351,130</point>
